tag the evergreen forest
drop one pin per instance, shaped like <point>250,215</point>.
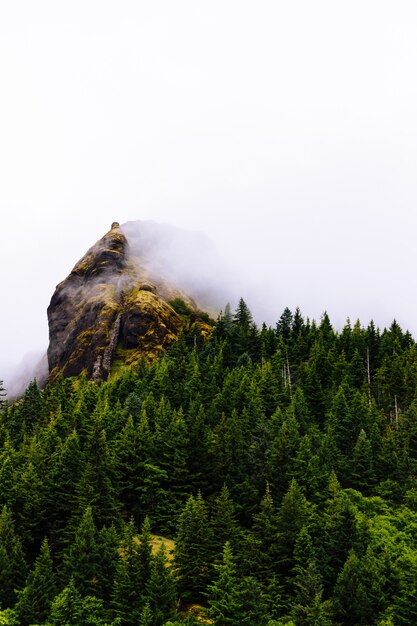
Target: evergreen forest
<point>258,476</point>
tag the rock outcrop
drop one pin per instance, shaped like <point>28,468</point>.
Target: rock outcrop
<point>111,308</point>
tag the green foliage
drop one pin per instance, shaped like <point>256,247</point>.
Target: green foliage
<point>132,574</point>
<point>192,549</point>
<point>12,561</point>
<point>71,609</point>
<point>225,605</point>
<point>160,589</point>
<point>81,561</point>
<point>300,442</point>
<point>35,599</point>
<point>180,307</point>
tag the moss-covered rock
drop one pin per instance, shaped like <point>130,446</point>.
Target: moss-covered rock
<point>109,306</point>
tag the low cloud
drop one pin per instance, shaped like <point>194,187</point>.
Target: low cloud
<point>33,365</point>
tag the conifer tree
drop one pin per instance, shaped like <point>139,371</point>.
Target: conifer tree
<point>362,473</point>
<point>13,567</point>
<point>96,486</point>
<point>284,325</point>
<point>224,523</point>
<point>197,451</point>
<point>69,608</point>
<point>30,507</point>
<point>225,607</point>
<point>160,589</point>
<point>350,593</point>
<point>127,464</point>
<point>147,618</point>
<point>292,515</point>
<point>7,472</point>
<point>280,457</point>
<point>308,606</point>
<point>66,471</point>
<point>132,574</point>
<point>338,534</point>
<point>108,543</point>
<point>405,607</point>
<point>251,597</point>
<point>144,553</point>
<point>261,544</point>
<point>35,599</point>
<point>31,408</point>
<point>192,550</point>
<point>81,563</point>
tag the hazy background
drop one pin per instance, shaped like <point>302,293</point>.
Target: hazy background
<point>285,131</point>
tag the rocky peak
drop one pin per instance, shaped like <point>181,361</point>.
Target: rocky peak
<point>109,254</point>
<point>110,307</point>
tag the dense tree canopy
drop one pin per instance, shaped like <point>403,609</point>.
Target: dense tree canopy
<point>256,476</point>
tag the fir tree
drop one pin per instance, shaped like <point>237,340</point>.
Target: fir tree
<point>13,567</point>
<point>81,563</point>
<point>35,599</point>
<point>225,607</point>
<point>224,523</point>
<point>69,608</point>
<point>160,589</point>
<point>132,574</point>
<point>192,550</point>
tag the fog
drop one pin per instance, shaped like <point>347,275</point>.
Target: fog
<point>185,259</point>
<point>285,133</point>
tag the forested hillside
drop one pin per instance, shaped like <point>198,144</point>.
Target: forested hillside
<point>278,464</point>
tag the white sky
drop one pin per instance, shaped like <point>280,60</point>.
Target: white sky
<point>285,130</point>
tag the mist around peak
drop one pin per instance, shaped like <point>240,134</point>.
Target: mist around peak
<point>186,259</point>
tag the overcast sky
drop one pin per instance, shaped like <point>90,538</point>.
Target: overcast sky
<point>284,130</point>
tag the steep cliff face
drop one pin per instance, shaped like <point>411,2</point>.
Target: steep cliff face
<point>111,307</point>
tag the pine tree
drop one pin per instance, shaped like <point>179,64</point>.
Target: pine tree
<point>146,618</point>
<point>338,534</point>
<point>31,408</point>
<point>69,608</point>
<point>351,594</point>
<point>261,545</point>
<point>144,554</point>
<point>405,607</point>
<point>108,542</point>
<point>225,607</point>
<point>66,469</point>
<point>245,338</point>
<point>30,507</point>
<point>96,486</point>
<point>128,467</point>
<point>280,457</point>
<point>13,567</point>
<point>132,574</point>
<point>251,597</point>
<point>192,550</point>
<point>292,515</point>
<point>35,599</point>
<point>160,589</point>
<point>81,563</point>
<point>7,472</point>
<point>362,473</point>
<point>284,325</point>
<point>308,607</point>
<point>224,523</point>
